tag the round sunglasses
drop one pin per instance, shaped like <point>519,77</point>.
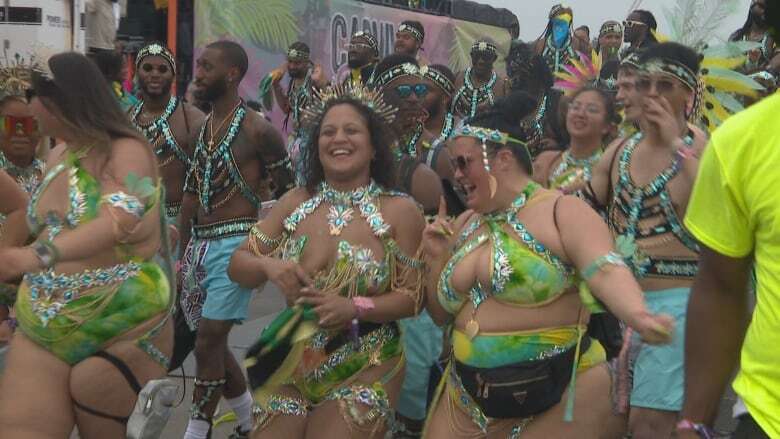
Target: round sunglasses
<point>406,90</point>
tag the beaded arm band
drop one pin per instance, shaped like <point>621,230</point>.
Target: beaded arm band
<point>129,203</point>
<point>255,235</point>
<point>610,258</point>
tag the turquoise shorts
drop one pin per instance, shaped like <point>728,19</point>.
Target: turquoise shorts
<point>422,341</point>
<point>207,291</point>
<point>659,374</point>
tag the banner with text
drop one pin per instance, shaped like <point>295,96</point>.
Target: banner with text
<point>265,29</point>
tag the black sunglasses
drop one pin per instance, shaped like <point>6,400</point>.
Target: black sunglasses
<point>405,90</point>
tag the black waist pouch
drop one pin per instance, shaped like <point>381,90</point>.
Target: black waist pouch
<point>522,389</point>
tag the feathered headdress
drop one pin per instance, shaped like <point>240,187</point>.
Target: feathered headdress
<point>579,73</point>
<point>694,23</point>
<point>15,77</point>
<point>373,99</point>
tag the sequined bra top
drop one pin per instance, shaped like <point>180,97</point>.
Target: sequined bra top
<point>355,271</point>
<point>638,214</point>
<point>523,272</point>
<point>51,291</point>
<point>84,198</point>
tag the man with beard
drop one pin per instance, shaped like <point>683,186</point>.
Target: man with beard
<point>639,27</point>
<point>765,58</point>
<point>362,58</point>
<point>479,85</point>
<point>409,39</point>
<point>557,44</point>
<point>305,77</point>
<point>170,124</point>
<point>236,150</point>
<point>610,40</point>
<point>529,72</point>
<point>400,80</point>
<point>437,102</point>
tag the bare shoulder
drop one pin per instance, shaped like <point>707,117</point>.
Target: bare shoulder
<point>257,123</point>
<point>399,205</point>
<point>130,154</point>
<point>194,114</point>
<point>543,163</point>
<point>292,199</point>
<point>546,157</point>
<point>56,155</point>
<point>402,213</point>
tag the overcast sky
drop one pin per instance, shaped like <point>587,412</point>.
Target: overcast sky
<point>533,13</point>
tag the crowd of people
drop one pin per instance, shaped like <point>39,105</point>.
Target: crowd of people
<point>462,254</point>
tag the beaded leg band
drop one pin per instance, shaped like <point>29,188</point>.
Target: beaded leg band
<point>209,388</point>
<point>278,405</point>
<point>372,398</point>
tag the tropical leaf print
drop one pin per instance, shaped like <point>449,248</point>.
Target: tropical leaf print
<point>270,24</point>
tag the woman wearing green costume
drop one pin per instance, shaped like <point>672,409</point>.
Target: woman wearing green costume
<point>505,275</point>
<point>342,250</point>
<point>92,308</point>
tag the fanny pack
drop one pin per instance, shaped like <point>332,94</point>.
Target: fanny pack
<point>523,389</point>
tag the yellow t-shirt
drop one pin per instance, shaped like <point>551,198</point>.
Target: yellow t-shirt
<point>735,210</point>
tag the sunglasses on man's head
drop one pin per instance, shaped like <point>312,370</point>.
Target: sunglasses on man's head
<point>358,46</point>
<point>406,90</point>
<point>12,126</point>
<point>631,23</point>
<point>148,68</point>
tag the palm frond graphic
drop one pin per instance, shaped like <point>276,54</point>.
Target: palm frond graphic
<point>697,22</point>
<point>270,24</point>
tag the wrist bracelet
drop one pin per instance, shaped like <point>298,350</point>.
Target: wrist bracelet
<point>362,305</point>
<point>702,430</point>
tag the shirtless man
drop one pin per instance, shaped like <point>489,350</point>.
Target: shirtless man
<point>645,205</point>
<point>235,152</point>
<point>170,124</point>
<point>403,87</point>
<point>305,78</point>
<point>480,85</point>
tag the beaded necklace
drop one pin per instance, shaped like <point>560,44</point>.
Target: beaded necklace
<point>572,169</point>
<point>557,58</point>
<point>159,133</point>
<point>449,125</point>
<point>343,207</point>
<point>210,165</point>
<point>27,177</point>
<point>410,148</point>
<point>478,94</point>
<point>635,211</point>
<point>299,97</point>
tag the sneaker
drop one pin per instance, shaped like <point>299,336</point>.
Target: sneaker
<point>239,434</point>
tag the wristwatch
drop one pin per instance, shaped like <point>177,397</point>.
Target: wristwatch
<point>702,430</point>
<point>46,253</point>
